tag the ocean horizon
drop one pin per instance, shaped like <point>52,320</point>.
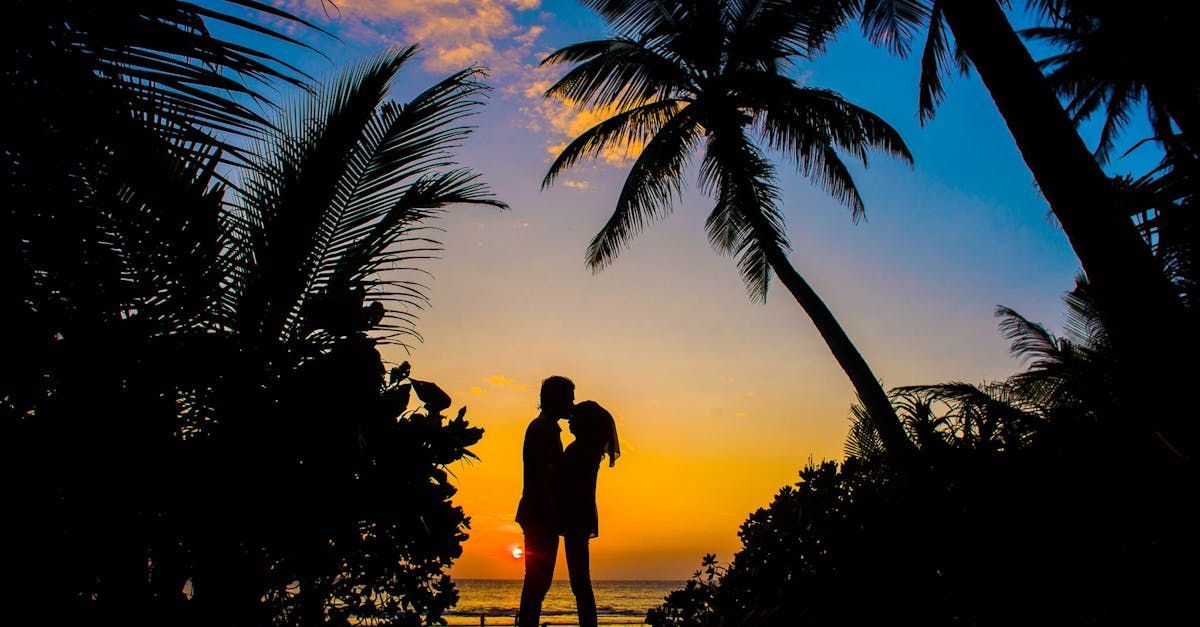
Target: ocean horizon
<point>618,601</point>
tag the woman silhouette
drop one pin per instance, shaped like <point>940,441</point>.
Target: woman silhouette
<point>595,434</point>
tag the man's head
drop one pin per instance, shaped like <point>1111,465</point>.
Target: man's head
<point>558,396</point>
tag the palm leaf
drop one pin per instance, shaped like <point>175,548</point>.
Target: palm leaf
<point>807,124</point>
<point>893,23</point>
<point>635,15</point>
<point>163,58</point>
<point>654,180</point>
<point>935,59</point>
<point>746,221</point>
<point>862,440</point>
<point>621,131</point>
<point>617,73</point>
<point>338,195</point>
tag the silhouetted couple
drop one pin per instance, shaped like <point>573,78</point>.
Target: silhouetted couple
<point>559,496</point>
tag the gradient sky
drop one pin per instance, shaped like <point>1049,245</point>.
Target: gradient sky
<point>719,401</point>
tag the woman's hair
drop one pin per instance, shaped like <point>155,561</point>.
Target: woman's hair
<point>596,427</point>
<point>557,390</point>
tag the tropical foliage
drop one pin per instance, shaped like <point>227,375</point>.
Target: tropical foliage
<point>197,424</point>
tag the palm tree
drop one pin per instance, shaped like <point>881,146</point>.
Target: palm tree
<point>1131,290</point>
<point>710,73</point>
<point>325,231</point>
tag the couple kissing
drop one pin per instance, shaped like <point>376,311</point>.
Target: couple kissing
<point>559,496</point>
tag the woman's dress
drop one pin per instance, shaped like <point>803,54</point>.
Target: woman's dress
<point>577,491</point>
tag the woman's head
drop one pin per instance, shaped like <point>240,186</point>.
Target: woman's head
<point>595,429</point>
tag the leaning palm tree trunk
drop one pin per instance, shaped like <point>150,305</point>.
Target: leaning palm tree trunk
<point>870,392</point>
<point>1131,289</point>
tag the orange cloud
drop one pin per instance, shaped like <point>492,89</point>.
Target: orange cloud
<point>453,33</point>
<point>502,381</point>
<point>579,185</point>
<point>562,119</point>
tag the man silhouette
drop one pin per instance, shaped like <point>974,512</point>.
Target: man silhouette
<point>538,512</point>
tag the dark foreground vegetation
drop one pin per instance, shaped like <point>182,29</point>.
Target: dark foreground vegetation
<point>197,425</point>
<point>1031,501</point>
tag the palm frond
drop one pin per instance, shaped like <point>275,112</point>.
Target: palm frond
<point>1030,341</point>
<point>862,440</point>
<point>807,124</point>
<point>746,221</point>
<point>655,179</point>
<point>339,192</point>
<point>297,185</point>
<point>991,415</point>
<point>615,73</point>
<point>634,15</point>
<point>766,31</point>
<point>1083,323</point>
<point>163,57</point>
<point>893,23</point>
<point>619,132</point>
<point>935,61</point>
<point>1121,98</point>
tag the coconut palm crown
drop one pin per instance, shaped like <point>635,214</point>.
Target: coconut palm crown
<point>712,76</point>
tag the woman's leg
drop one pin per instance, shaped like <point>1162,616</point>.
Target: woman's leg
<point>580,569</point>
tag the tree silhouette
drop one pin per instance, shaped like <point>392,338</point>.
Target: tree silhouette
<point>197,427</point>
<point>682,76</point>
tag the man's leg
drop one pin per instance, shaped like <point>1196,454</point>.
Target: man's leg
<point>580,568</point>
<point>541,550</point>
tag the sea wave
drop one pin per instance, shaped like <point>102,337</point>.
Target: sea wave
<point>621,602</point>
<point>507,610</point>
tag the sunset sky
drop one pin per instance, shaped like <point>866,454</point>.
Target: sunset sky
<point>719,401</point>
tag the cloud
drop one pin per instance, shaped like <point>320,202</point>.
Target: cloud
<point>502,381</point>
<point>452,33</point>
<point>476,390</point>
<point>563,121</point>
<point>573,184</point>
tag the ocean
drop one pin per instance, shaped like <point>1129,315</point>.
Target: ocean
<point>617,602</point>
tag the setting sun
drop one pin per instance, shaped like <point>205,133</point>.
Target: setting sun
<point>517,553</point>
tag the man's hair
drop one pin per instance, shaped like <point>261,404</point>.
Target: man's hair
<point>557,387</point>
